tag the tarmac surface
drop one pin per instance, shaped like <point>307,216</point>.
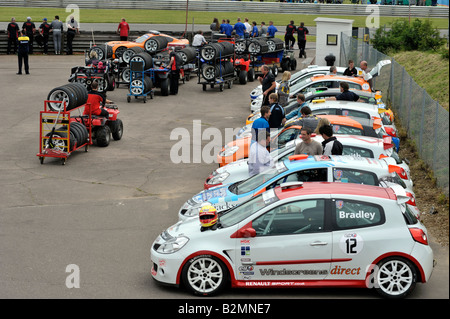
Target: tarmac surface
<point>104,208</point>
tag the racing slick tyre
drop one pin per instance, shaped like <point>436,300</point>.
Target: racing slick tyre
<point>103,136</point>
<point>141,86</point>
<point>285,65</point>
<point>130,52</point>
<point>394,277</point>
<point>111,82</point>
<point>258,47</point>
<point>68,94</point>
<point>156,44</point>
<point>103,52</point>
<point>165,87</point>
<point>83,133</point>
<point>187,54</point>
<point>214,51</point>
<point>119,52</point>
<point>59,141</point>
<point>243,77</point>
<point>204,275</point>
<point>275,44</point>
<point>251,74</point>
<point>240,46</point>
<point>81,90</point>
<point>293,64</point>
<point>126,75</point>
<point>116,128</point>
<point>144,57</point>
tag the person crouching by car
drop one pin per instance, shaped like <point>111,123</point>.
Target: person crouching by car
<point>96,102</point>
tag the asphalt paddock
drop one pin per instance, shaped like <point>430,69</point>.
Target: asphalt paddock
<point>103,209</point>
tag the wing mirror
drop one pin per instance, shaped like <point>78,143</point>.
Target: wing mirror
<point>246,232</point>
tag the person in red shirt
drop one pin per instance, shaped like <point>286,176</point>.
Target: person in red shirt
<point>95,102</point>
<point>123,30</point>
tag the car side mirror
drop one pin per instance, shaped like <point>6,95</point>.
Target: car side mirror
<point>246,233</point>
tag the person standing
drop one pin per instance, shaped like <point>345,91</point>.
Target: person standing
<point>289,39</point>
<point>174,71</point>
<point>123,29</point>
<point>261,124</point>
<point>23,51</point>
<point>13,34</point>
<point>44,30</point>
<point>57,27</point>
<point>277,117</point>
<point>284,89</point>
<point>351,70</point>
<point>308,145</point>
<point>268,83</point>
<point>229,28</point>
<point>254,32</point>
<point>331,146</point>
<point>302,31</point>
<point>239,27</point>
<point>263,30</point>
<point>29,28</point>
<point>259,158</point>
<point>72,30</point>
<point>271,30</point>
<point>215,26</point>
<point>248,28</point>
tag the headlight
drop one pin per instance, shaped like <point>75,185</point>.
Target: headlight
<point>219,178</point>
<point>172,245</point>
<point>229,151</point>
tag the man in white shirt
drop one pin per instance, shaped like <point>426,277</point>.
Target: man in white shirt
<point>199,39</point>
<point>259,159</point>
<point>248,28</point>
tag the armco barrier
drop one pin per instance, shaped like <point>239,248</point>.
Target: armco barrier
<point>241,6</point>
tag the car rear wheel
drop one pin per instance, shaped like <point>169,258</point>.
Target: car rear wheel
<point>204,275</point>
<point>395,277</point>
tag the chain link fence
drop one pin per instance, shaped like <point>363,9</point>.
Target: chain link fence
<point>426,122</point>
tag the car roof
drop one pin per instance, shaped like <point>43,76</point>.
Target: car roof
<point>324,91</point>
<point>344,104</point>
<point>338,78</point>
<point>343,161</point>
<point>343,120</point>
<point>335,188</point>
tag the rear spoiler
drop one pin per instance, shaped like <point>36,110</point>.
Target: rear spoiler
<point>400,193</point>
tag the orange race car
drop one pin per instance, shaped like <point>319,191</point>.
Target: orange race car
<point>240,148</point>
<point>153,41</point>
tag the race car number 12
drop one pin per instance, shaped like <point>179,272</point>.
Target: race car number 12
<point>351,244</point>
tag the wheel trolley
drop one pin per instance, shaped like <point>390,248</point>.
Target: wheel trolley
<point>57,133</point>
<point>140,84</point>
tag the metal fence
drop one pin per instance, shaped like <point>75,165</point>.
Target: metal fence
<point>426,122</point>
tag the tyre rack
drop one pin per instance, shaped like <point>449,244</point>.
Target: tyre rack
<point>272,60</point>
<point>58,147</point>
<point>220,80</point>
<point>137,71</point>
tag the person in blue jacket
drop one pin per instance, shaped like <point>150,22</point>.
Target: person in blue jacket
<point>254,32</point>
<point>239,27</point>
<point>271,30</point>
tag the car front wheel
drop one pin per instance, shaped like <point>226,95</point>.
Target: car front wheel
<point>395,277</point>
<point>204,275</point>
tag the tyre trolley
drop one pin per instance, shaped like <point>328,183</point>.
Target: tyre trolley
<point>140,83</point>
<point>59,136</point>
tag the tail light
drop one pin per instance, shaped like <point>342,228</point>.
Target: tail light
<point>419,235</point>
<point>377,124</point>
<point>412,200</point>
<point>387,142</point>
<point>391,131</point>
<point>400,171</point>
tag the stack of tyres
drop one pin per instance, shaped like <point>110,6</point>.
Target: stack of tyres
<point>145,58</point>
<point>130,52</point>
<point>214,51</point>
<point>210,72</point>
<point>72,94</point>
<point>156,44</point>
<point>188,54</point>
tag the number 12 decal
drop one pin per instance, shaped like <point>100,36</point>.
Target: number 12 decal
<point>351,244</point>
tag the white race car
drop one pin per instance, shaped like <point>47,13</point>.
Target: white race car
<point>307,72</point>
<point>319,168</point>
<point>301,235</point>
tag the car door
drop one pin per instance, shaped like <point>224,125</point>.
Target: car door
<point>292,242</point>
<point>357,236</point>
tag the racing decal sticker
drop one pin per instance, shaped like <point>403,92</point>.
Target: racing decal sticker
<point>220,192</point>
<point>336,128</point>
<point>345,112</point>
<point>338,174</point>
<point>339,204</point>
<point>245,251</point>
<point>351,244</point>
<point>365,86</point>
